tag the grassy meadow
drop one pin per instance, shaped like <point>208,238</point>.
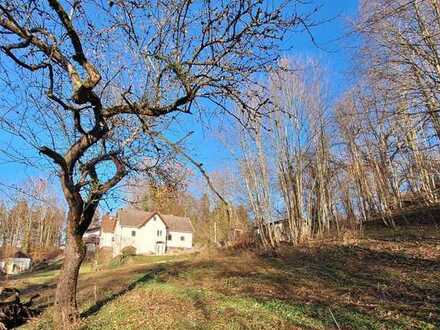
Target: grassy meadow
<point>387,279</point>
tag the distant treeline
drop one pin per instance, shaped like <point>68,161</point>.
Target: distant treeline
<point>31,220</point>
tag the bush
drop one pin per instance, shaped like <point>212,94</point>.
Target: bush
<point>121,259</point>
<point>41,254</point>
<point>128,251</point>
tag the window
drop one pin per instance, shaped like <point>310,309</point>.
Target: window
<point>182,238</point>
<point>169,237</point>
<point>133,233</point>
<point>159,233</point>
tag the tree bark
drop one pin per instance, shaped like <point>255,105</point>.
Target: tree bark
<point>66,312</point>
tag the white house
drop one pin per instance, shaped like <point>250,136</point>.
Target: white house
<point>91,238</point>
<point>279,229</point>
<point>151,232</point>
<point>18,263</point>
<point>92,232</point>
<point>107,230</point>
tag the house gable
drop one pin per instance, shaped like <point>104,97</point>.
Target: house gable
<point>134,218</point>
<point>151,233</point>
<point>154,217</point>
<point>148,232</point>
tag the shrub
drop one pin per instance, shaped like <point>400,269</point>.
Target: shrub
<point>128,251</point>
<point>41,254</point>
<point>121,259</point>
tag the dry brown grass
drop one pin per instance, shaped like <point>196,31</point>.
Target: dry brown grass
<point>387,280</point>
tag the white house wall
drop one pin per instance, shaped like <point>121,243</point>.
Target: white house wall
<point>123,238</point>
<point>147,235</point>
<point>15,265</point>
<point>106,240</point>
<point>118,240</point>
<point>176,241</point>
<point>91,233</point>
<point>145,239</point>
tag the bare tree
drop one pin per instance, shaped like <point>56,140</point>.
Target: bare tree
<point>287,158</point>
<point>389,121</point>
<point>400,53</point>
<point>31,218</point>
<point>388,161</point>
<point>94,85</point>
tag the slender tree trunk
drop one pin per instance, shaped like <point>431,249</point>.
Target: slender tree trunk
<point>66,312</point>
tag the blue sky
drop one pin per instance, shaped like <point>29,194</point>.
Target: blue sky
<point>333,49</point>
<point>333,52</point>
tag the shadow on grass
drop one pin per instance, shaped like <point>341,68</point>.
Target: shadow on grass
<point>150,276</point>
<point>355,282</point>
<point>404,234</point>
<point>44,272</point>
<point>52,266</point>
<point>37,289</point>
<point>362,285</point>
<point>371,279</point>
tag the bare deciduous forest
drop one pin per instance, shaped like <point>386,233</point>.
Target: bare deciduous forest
<point>319,211</point>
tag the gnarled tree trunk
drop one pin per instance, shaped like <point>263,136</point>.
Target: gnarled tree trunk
<point>66,311</point>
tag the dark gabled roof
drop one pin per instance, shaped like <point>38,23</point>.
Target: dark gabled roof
<point>133,217</point>
<point>174,223</point>
<point>92,229</point>
<point>138,218</point>
<point>20,254</point>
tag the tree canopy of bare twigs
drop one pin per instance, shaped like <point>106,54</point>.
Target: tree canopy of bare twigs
<point>311,168</point>
<point>31,218</point>
<point>93,85</point>
<point>401,55</point>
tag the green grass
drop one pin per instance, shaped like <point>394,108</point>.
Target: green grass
<point>194,309</point>
<point>386,280</point>
<point>140,259</point>
<point>205,309</point>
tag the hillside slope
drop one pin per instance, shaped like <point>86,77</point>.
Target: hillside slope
<point>390,280</point>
